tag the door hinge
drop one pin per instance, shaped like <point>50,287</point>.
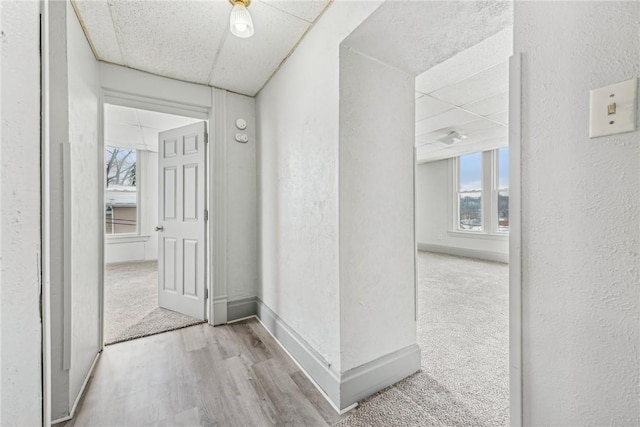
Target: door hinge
<point>206,137</point>
<point>206,214</point>
<point>206,293</point>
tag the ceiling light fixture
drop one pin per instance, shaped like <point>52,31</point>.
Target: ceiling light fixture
<point>240,22</point>
<point>451,138</point>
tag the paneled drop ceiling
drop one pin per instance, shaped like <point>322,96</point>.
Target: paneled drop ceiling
<point>467,94</point>
<point>134,128</point>
<point>190,40</point>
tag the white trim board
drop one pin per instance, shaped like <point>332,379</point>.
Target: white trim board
<point>515,241</point>
<point>464,252</point>
<point>72,413</point>
<point>343,389</point>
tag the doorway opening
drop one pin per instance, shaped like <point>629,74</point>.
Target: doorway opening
<point>466,315</point>
<point>462,232</point>
<point>131,307</point>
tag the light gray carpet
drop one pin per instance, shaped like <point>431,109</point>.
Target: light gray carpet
<point>463,334</point>
<point>131,303</point>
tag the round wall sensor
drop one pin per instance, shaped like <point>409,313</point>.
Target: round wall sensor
<point>241,124</point>
<point>242,137</point>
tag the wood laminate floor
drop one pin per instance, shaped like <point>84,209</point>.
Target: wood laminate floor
<point>232,375</point>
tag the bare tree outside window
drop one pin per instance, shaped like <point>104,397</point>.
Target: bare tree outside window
<point>121,166</point>
<point>121,200</point>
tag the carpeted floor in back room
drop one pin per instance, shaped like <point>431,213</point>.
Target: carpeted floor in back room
<point>463,333</point>
<point>131,303</point>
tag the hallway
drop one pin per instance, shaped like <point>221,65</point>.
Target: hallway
<point>238,375</point>
<point>232,375</point>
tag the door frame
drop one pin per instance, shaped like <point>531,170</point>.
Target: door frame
<point>131,100</point>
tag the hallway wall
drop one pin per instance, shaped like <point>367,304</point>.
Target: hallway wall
<point>20,249</point>
<point>297,131</point>
<point>85,208</point>
<point>581,217</point>
<point>376,211</point>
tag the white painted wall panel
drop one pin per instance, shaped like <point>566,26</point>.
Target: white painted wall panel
<point>242,219</point>
<point>20,331</point>
<point>581,223</point>
<point>433,211</point>
<point>297,132</point>
<point>377,249</point>
<point>86,211</point>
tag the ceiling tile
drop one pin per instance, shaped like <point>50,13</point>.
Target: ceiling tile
<point>427,106</point>
<point>486,54</point>
<point>494,104</point>
<point>96,19</point>
<point>446,119</point>
<point>308,10</point>
<point>120,115</point>
<point>162,121</point>
<point>122,135</point>
<point>500,117</point>
<point>477,125</point>
<point>480,86</point>
<point>177,39</point>
<point>244,65</point>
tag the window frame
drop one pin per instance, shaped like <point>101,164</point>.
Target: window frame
<point>489,194</point>
<point>136,235</point>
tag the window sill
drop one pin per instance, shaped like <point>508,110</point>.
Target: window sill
<point>479,235</point>
<point>125,238</point>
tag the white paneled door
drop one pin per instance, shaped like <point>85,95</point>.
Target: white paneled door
<point>182,219</point>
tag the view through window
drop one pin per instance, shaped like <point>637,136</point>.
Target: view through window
<point>121,196</point>
<point>503,190</point>
<point>470,192</point>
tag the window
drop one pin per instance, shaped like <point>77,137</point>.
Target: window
<point>503,190</point>
<point>121,195</point>
<point>470,192</point>
<point>481,196</point>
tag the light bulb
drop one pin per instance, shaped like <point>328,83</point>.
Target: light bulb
<point>240,22</point>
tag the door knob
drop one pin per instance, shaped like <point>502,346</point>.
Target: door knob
<point>159,228</point>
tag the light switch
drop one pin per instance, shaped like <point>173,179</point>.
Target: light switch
<point>613,109</point>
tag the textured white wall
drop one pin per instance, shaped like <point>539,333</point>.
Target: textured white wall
<point>86,211</point>
<point>580,224</point>
<point>242,221</point>
<point>20,333</point>
<point>434,211</point>
<point>376,209</point>
<point>297,132</point>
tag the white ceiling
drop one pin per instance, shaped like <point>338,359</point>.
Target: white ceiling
<point>436,31</point>
<point>190,40</point>
<point>134,128</point>
<point>468,94</point>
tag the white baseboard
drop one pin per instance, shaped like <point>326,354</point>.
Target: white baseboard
<point>219,311</point>
<point>345,389</point>
<point>238,309</point>
<point>72,413</point>
<point>311,362</point>
<point>467,253</point>
<point>363,381</point>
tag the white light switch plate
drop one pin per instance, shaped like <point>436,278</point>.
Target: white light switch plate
<point>613,109</point>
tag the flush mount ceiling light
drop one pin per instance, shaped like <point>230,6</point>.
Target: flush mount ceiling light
<point>451,138</point>
<point>240,21</point>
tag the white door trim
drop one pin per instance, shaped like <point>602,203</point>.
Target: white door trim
<point>125,99</point>
<point>515,240</point>
<point>218,203</point>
